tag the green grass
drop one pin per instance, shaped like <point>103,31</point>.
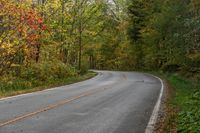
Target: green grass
<point>21,86</point>
<point>187,101</point>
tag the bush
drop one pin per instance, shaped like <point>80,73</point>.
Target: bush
<point>187,101</point>
<point>171,67</point>
<point>84,68</point>
<point>47,71</point>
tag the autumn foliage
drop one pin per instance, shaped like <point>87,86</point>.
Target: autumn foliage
<point>21,28</point>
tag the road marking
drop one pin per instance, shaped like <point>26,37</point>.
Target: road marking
<point>149,129</point>
<point>154,116</point>
<point>88,93</point>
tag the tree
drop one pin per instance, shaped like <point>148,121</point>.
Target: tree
<point>19,34</point>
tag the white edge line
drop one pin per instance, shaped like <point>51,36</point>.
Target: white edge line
<point>153,119</point>
<point>31,93</point>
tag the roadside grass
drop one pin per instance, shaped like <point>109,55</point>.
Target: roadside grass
<point>186,100</point>
<point>21,86</point>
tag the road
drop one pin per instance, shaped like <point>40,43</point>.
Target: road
<point>112,102</point>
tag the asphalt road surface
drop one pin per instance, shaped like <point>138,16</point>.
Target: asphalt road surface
<point>112,102</point>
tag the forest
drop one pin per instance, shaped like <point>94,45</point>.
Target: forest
<point>56,41</point>
<point>115,35</point>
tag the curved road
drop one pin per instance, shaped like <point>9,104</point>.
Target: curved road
<point>112,102</point>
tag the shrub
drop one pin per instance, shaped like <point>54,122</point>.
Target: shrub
<point>84,68</point>
<point>47,70</point>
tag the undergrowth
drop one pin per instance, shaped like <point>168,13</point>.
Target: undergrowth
<point>187,101</point>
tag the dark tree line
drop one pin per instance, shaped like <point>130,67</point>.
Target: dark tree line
<point>166,34</point>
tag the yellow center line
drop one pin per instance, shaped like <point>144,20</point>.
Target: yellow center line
<point>52,106</point>
<point>88,93</point>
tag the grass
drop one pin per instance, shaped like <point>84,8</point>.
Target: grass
<point>186,100</point>
<point>21,86</point>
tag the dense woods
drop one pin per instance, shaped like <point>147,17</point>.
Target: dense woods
<point>82,34</point>
<point>166,35</point>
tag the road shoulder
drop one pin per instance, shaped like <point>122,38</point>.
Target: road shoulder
<point>71,80</point>
<point>167,112</point>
